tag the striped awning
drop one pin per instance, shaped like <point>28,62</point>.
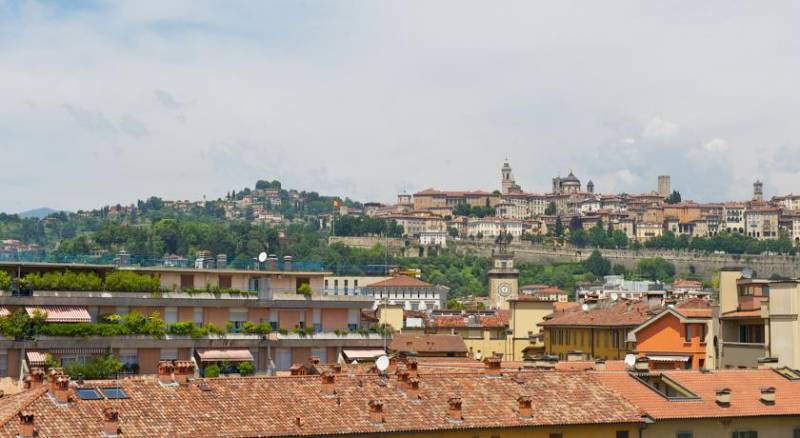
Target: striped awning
<point>36,358</point>
<point>4,311</point>
<point>62,313</point>
<point>224,354</point>
<point>655,358</point>
<point>363,353</point>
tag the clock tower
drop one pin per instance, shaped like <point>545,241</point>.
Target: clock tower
<point>503,277</point>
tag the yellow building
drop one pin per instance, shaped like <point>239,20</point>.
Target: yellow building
<point>597,333</point>
<point>526,312</point>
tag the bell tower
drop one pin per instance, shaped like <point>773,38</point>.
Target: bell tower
<point>503,277</point>
<point>507,183</point>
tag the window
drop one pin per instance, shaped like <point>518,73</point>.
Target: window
<point>745,434</point>
<point>751,334</point>
<point>684,435</point>
<point>225,282</point>
<point>3,364</point>
<point>796,433</point>
<point>237,316</point>
<point>623,434</point>
<point>197,315</point>
<point>88,394</point>
<point>687,333</point>
<point>702,330</point>
<point>170,315</point>
<point>114,393</point>
<point>169,354</point>
<point>187,281</point>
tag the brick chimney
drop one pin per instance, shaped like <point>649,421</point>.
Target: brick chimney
<point>26,425</point>
<point>376,411</point>
<point>336,368</point>
<point>524,403</point>
<point>402,377</point>
<point>165,370</point>
<point>413,367</point>
<point>110,422</point>
<point>723,397</point>
<point>328,384</point>
<point>61,389</point>
<point>184,369</point>
<point>642,364</point>
<point>767,363</point>
<point>492,366</point>
<point>51,377</point>
<point>454,409</point>
<point>412,388</point>
<point>37,377</point>
<point>768,395</point>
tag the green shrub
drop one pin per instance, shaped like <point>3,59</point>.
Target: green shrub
<point>247,369</point>
<point>5,280</point>
<point>181,328</point>
<point>263,328</point>
<point>215,329</point>
<point>211,371</point>
<point>66,280</point>
<point>304,289</point>
<point>14,325</point>
<point>283,331</point>
<point>83,329</point>
<point>198,331</point>
<point>100,367</point>
<point>229,327</point>
<point>128,281</point>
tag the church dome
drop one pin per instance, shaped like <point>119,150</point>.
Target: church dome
<point>571,178</point>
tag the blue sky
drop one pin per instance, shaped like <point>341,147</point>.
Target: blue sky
<point>107,102</point>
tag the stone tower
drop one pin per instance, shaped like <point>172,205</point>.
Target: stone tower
<point>507,183</point>
<point>590,187</point>
<point>758,190</point>
<point>664,186</point>
<point>503,277</point>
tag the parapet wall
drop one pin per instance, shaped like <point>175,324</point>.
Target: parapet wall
<point>685,261</point>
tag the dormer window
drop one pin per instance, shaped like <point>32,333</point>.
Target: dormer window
<point>665,387</point>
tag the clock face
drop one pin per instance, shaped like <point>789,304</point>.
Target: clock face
<point>504,289</point>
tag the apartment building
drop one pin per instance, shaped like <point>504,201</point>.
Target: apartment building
<point>493,226</point>
<point>762,222</point>
<point>296,319</point>
<point>411,293</point>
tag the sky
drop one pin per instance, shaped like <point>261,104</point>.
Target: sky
<point>110,102</point>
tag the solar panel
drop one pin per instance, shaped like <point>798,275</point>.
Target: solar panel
<point>89,394</point>
<point>114,393</point>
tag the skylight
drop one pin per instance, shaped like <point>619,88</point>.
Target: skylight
<point>789,373</point>
<point>89,394</point>
<point>114,393</point>
<point>666,387</point>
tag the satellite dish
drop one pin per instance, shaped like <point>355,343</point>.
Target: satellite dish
<point>382,363</point>
<point>585,307</point>
<point>630,360</point>
<point>262,257</point>
<point>614,296</point>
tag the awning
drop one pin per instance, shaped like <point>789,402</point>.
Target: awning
<point>669,358</point>
<point>363,353</point>
<point>62,313</point>
<point>224,354</point>
<point>4,311</point>
<point>35,358</point>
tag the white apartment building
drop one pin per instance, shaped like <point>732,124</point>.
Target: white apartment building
<point>492,226</point>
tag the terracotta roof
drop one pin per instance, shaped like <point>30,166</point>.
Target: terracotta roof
<point>616,315</point>
<point>745,388</point>
<point>694,313</point>
<point>563,307</point>
<point>296,406</point>
<point>400,281</point>
<point>428,344</point>
<point>586,365</point>
<point>741,314</point>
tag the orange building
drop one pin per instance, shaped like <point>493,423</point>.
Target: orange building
<point>675,338</point>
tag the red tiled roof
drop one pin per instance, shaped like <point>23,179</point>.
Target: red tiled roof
<point>745,388</point>
<point>499,319</point>
<point>616,315</point>
<point>400,281</point>
<point>742,314</point>
<point>428,344</point>
<point>295,406</point>
<point>585,365</point>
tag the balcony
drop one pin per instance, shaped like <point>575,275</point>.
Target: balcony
<point>742,354</point>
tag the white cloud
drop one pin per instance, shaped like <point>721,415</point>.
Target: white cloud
<point>659,129</point>
<point>715,146</point>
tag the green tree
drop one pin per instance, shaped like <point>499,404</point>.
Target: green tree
<point>550,210</point>
<point>558,229</point>
<point>673,198</point>
<point>656,269</point>
<point>597,264</point>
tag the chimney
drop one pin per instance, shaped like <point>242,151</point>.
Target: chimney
<point>546,362</point>
<point>642,364</point>
<point>37,377</point>
<point>724,397</point>
<point>413,367</point>
<point>26,425</point>
<point>184,369</point>
<point>765,363</point>
<point>768,395</point>
<point>492,366</point>
<point>110,422</point>
<point>328,384</point>
<point>222,261</point>
<point>525,410</point>
<point>336,368</point>
<point>273,262</point>
<point>574,356</point>
<point>600,364</point>
<point>454,409</point>
<point>402,377</point>
<point>412,389</point>
<point>287,263</point>
<point>314,360</point>
<point>51,378</point>
<point>61,392</point>
<point>165,370</point>
<point>376,411</point>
